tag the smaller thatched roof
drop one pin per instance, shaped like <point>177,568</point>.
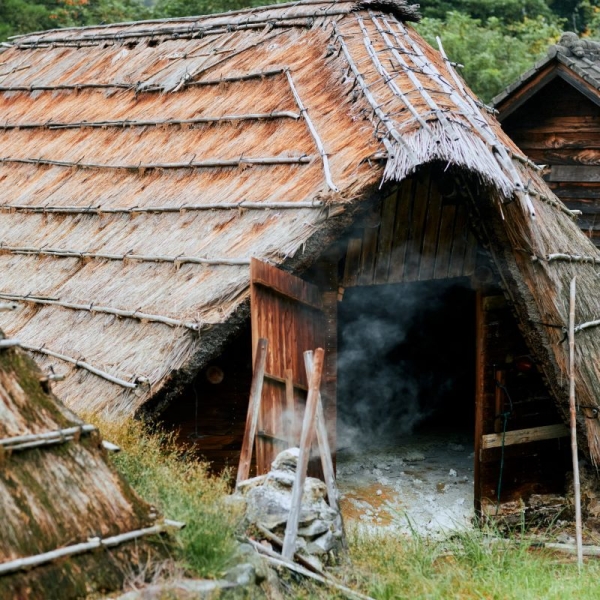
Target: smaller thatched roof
<point>64,509</point>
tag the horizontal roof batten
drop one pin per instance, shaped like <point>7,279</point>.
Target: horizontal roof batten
<point>82,365</point>
<point>93,308</point>
<point>206,164</point>
<point>140,86</point>
<point>286,114</point>
<point>99,210</point>
<point>177,260</point>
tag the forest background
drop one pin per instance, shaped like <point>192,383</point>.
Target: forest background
<point>495,40</point>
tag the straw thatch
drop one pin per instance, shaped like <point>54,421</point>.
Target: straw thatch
<point>57,491</point>
<point>144,164</point>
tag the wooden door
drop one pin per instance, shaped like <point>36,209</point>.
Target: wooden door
<point>294,316</point>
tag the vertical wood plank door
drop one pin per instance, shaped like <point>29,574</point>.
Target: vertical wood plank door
<point>291,314</point>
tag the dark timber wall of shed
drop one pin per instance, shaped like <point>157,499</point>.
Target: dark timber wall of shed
<point>559,127</point>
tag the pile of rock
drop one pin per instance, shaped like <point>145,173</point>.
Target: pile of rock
<point>267,503</point>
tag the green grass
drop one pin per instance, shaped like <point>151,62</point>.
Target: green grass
<point>181,489</point>
<point>472,565</point>
<point>468,566</point>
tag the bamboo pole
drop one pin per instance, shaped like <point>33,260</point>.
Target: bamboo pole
<point>16,441</point>
<point>177,260</point>
<point>81,364</point>
<point>22,564</point>
<point>100,210</point>
<point>205,164</point>
<point>9,343</point>
<point>123,124</point>
<point>253,410</point>
<point>308,428</point>
<point>573,415</point>
<point>579,258</point>
<point>93,308</point>
<point>313,132</point>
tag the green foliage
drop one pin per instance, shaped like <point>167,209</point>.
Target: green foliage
<point>493,53</point>
<point>181,489</point>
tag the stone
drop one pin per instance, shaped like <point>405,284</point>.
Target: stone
<point>413,456</point>
<point>317,527</point>
<point>243,486</point>
<point>243,574</point>
<point>322,544</point>
<point>452,473</point>
<point>286,460</point>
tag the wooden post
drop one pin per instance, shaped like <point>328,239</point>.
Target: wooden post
<point>573,413</point>
<point>323,441</point>
<point>325,451</point>
<point>308,427</point>
<point>289,418</point>
<point>253,410</point>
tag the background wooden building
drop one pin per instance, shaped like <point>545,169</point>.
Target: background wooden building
<point>172,191</point>
<point>552,112</point>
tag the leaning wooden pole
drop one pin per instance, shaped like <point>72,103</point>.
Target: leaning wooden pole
<point>573,413</point>
<point>308,431</point>
<point>253,410</point>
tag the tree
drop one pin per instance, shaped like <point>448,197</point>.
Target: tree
<point>493,54</point>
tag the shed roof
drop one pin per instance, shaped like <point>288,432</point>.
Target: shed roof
<point>576,60</point>
<point>58,494</point>
<point>143,164</point>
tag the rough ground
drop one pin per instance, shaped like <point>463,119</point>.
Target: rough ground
<point>425,485</point>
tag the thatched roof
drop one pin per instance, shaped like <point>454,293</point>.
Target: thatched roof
<point>57,492</point>
<point>144,164</point>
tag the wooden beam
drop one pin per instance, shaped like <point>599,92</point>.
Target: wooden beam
<point>524,436</point>
<point>577,173</point>
<point>253,410</point>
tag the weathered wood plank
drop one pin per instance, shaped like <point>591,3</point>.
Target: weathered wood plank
<point>524,436</point>
<point>352,262</point>
<point>431,234</point>
<point>386,236</point>
<point>417,228</point>
<point>401,230</point>
<point>574,173</point>
<point>253,410</point>
<point>442,259</point>
<point>368,255</point>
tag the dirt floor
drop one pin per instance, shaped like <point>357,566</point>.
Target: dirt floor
<point>423,486</point>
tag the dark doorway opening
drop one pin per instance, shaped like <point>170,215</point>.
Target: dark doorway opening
<point>406,360</point>
<point>406,405</point>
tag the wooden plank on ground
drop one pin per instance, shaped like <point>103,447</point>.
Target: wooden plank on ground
<point>524,436</point>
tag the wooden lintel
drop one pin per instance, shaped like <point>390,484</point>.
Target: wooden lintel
<point>524,436</point>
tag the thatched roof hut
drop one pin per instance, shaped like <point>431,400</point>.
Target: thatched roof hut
<point>145,164</point>
<point>70,524</point>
